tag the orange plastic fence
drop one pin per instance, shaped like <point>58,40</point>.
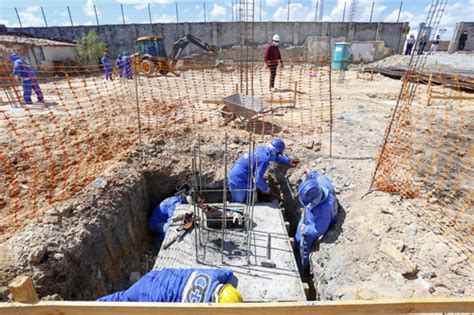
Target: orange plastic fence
<point>428,157</point>
<point>50,151</point>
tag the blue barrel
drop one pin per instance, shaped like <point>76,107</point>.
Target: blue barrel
<point>341,56</point>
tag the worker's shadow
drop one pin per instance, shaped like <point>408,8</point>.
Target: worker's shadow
<point>260,127</point>
<point>336,229</point>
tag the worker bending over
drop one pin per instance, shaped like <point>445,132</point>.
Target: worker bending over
<point>271,57</point>
<point>318,197</point>
<point>181,285</point>
<point>239,174</point>
<point>162,217</point>
<point>23,69</point>
<point>119,64</point>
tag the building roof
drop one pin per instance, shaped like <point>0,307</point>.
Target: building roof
<point>32,41</point>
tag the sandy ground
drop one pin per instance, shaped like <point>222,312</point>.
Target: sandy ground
<point>352,261</point>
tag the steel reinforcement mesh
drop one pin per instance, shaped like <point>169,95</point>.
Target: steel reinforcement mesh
<point>50,151</point>
<point>428,156</point>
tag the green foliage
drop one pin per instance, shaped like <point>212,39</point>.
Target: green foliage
<point>90,48</point>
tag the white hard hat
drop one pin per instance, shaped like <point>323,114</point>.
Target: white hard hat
<point>276,38</point>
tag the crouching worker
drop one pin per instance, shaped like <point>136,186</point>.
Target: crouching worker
<point>318,197</point>
<point>162,217</point>
<point>181,285</point>
<point>239,174</point>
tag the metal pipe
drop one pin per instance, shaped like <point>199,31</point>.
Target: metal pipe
<point>344,12</point>
<point>177,16</point>
<point>316,11</point>
<point>18,16</point>
<point>149,13</point>
<point>399,11</point>
<point>288,16</point>
<point>269,246</point>
<point>70,17</point>
<point>96,16</point>
<point>123,16</point>
<point>44,17</point>
<point>372,11</point>
<point>260,10</point>
<point>204,10</point>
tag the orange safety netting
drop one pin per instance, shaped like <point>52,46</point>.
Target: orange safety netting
<point>428,155</point>
<point>50,151</point>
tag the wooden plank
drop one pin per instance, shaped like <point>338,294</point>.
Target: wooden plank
<point>23,290</point>
<point>421,305</point>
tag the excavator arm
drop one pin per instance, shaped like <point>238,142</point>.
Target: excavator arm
<point>182,43</point>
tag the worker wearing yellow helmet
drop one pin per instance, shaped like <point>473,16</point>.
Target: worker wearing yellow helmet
<point>181,285</point>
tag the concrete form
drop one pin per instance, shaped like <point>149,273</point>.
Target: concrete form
<point>256,283</point>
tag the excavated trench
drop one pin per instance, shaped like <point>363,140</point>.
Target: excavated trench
<point>99,241</point>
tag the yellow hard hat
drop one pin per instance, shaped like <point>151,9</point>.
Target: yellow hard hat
<point>229,294</point>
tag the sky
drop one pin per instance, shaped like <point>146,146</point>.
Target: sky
<point>164,11</point>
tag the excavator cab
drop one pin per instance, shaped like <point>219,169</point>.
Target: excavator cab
<point>151,45</point>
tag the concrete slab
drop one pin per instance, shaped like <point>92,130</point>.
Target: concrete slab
<point>257,283</point>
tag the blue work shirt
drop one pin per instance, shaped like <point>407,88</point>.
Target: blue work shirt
<point>161,217</point>
<point>319,217</point>
<point>238,176</point>
<point>22,69</point>
<point>175,285</point>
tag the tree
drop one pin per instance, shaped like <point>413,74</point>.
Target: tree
<point>90,48</point>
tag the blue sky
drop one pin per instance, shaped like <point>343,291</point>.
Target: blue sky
<point>164,11</point>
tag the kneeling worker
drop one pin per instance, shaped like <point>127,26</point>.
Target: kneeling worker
<point>162,217</point>
<point>318,197</point>
<point>181,285</point>
<point>239,174</point>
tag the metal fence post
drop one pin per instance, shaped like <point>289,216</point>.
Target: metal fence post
<point>18,16</point>
<point>123,16</point>
<point>288,16</point>
<point>149,12</point>
<point>70,17</point>
<point>177,16</point>
<point>44,17</point>
<point>344,12</point>
<point>260,9</point>
<point>399,11</point>
<point>372,11</point>
<point>316,11</point>
<point>96,16</point>
<point>204,10</point>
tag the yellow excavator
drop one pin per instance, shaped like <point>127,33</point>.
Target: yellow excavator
<point>152,59</point>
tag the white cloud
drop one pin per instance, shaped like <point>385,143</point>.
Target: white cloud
<point>257,11</point>
<point>89,9</point>
<point>298,12</point>
<point>31,16</point>
<point>363,9</point>
<point>141,4</point>
<point>8,23</point>
<point>273,2</point>
<point>164,18</point>
<point>88,23</point>
<point>218,10</point>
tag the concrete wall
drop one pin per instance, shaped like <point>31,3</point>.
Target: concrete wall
<point>225,34</point>
<point>460,28</point>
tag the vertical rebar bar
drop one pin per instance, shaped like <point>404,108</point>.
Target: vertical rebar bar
<point>177,16</point>
<point>138,109</point>
<point>195,208</point>
<point>199,163</point>
<point>372,11</point>
<point>149,13</point>
<point>96,16</point>
<point>344,12</point>
<point>123,16</point>
<point>224,200</point>
<point>44,17</point>
<point>70,17</point>
<point>399,11</point>
<point>330,104</point>
<point>18,16</point>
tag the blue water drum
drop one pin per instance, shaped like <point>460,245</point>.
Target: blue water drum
<point>341,56</point>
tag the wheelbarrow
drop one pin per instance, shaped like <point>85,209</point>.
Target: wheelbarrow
<point>243,107</point>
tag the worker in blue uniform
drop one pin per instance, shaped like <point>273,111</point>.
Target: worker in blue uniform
<point>119,64</point>
<point>239,174</point>
<point>127,65</point>
<point>107,67</point>
<point>318,197</point>
<point>181,285</point>
<point>23,69</point>
<point>162,217</point>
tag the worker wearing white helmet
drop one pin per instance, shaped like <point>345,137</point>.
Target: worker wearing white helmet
<point>272,57</point>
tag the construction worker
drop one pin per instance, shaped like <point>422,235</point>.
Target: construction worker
<point>162,217</point>
<point>107,67</point>
<point>318,197</point>
<point>410,43</point>
<point>119,64</point>
<point>181,285</point>
<point>462,40</point>
<point>23,69</point>
<point>271,57</point>
<point>239,174</point>
<point>434,45</point>
<point>127,65</point>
